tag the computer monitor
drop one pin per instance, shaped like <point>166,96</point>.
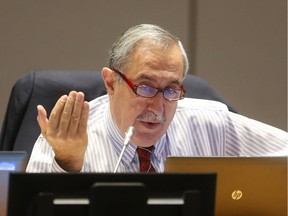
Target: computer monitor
<point>111,194</point>
<point>10,161</point>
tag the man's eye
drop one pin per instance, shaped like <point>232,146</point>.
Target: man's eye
<point>144,87</point>
<point>171,91</point>
<point>146,91</point>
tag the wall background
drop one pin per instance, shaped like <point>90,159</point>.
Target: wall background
<point>241,49</point>
<point>238,46</point>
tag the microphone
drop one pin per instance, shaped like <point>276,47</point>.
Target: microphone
<point>128,135</point>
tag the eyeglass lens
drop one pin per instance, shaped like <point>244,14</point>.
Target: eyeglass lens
<point>148,91</point>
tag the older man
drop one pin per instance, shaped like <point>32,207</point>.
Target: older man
<point>144,90</point>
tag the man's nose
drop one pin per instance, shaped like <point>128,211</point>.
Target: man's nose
<point>156,104</point>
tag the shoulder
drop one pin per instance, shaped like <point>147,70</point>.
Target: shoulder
<point>200,104</point>
<point>200,112</point>
<point>199,126</point>
<point>97,109</point>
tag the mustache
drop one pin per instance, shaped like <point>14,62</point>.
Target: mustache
<point>151,117</point>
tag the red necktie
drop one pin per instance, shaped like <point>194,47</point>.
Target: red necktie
<point>144,155</point>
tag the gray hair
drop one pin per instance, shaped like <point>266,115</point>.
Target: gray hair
<point>124,47</point>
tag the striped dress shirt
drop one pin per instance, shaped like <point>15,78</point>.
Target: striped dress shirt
<point>199,128</point>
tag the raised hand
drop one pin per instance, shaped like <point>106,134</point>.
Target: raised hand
<point>66,129</point>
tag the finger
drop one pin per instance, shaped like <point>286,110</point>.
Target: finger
<point>42,119</point>
<point>56,113</point>
<point>76,113</point>
<point>82,128</point>
<point>67,112</point>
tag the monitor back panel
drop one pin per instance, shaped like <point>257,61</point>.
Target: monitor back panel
<point>111,193</point>
<point>245,185</point>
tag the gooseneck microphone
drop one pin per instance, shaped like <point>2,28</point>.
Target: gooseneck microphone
<point>128,135</point>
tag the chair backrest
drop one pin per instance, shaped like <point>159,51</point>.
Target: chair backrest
<point>20,128</point>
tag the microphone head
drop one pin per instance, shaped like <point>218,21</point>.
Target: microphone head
<point>130,131</point>
<point>128,134</point>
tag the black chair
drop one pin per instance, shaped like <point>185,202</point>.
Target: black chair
<point>20,128</point>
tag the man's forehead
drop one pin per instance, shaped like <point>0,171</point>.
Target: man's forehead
<point>156,50</point>
<point>156,60</point>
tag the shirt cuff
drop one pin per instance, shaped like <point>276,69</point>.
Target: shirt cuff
<point>55,168</point>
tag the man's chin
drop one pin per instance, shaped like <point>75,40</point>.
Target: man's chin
<point>146,138</point>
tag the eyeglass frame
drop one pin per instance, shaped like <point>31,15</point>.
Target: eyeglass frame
<point>135,87</point>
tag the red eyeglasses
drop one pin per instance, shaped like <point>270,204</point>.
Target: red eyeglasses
<point>150,92</point>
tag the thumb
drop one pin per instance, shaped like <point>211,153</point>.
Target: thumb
<point>42,119</point>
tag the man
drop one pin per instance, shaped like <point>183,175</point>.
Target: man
<point>144,90</point>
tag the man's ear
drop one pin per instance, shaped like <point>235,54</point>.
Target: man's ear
<point>109,77</point>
